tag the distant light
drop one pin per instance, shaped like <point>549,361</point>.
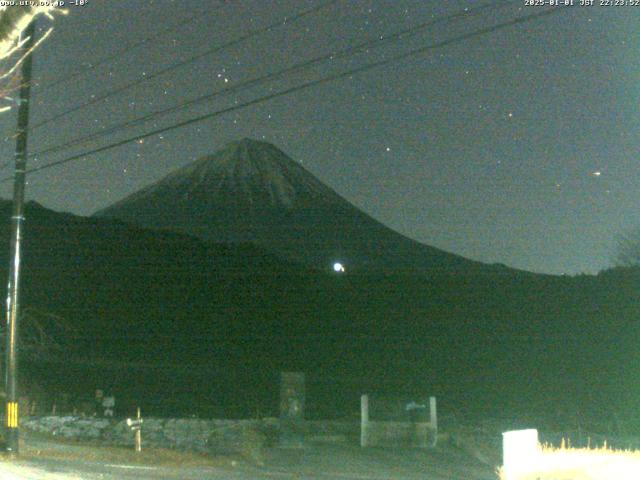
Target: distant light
<point>596,173</point>
<point>338,267</point>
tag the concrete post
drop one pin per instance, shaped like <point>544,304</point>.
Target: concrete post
<point>292,402</point>
<point>433,413</point>
<point>433,419</point>
<point>364,420</point>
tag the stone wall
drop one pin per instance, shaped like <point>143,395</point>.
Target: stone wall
<point>184,434</point>
<point>400,434</point>
<point>224,436</point>
<point>212,436</point>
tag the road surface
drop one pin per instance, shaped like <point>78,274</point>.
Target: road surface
<point>49,460</point>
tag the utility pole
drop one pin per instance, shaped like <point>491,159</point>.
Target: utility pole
<point>17,219</point>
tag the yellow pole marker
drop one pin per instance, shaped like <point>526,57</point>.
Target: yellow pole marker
<point>12,414</point>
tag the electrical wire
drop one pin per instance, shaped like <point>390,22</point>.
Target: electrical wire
<point>123,51</point>
<point>286,20</point>
<point>304,86</point>
<point>375,43</point>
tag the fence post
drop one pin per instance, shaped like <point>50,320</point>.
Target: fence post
<point>139,433</point>
<point>433,419</point>
<point>136,425</point>
<point>364,420</point>
<point>433,413</point>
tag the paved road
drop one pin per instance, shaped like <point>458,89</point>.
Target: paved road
<point>319,462</point>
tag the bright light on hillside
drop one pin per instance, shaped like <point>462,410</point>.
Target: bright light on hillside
<point>338,267</point>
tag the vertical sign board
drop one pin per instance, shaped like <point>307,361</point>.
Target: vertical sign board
<point>292,400</point>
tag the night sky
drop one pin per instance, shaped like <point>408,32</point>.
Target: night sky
<point>518,147</point>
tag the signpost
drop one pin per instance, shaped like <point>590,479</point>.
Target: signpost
<point>136,426</point>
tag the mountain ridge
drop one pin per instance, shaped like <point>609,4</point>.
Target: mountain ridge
<point>251,191</point>
<point>139,296</point>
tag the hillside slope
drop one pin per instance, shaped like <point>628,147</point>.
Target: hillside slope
<point>182,326</point>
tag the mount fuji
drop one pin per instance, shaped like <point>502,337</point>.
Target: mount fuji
<point>252,192</point>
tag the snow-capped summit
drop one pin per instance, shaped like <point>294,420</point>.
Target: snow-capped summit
<point>251,191</point>
<point>258,171</point>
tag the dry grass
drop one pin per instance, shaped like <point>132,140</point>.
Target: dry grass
<point>564,463</point>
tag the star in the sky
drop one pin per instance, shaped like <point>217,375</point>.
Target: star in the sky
<point>485,109</point>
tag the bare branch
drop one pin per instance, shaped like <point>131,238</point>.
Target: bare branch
<point>13,21</point>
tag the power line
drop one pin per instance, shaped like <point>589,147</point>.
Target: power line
<point>304,86</point>
<point>119,53</point>
<point>192,59</point>
<point>104,60</point>
<point>256,81</point>
<point>79,23</point>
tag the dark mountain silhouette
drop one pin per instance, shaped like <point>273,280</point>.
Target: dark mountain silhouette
<point>251,191</point>
<point>183,326</point>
